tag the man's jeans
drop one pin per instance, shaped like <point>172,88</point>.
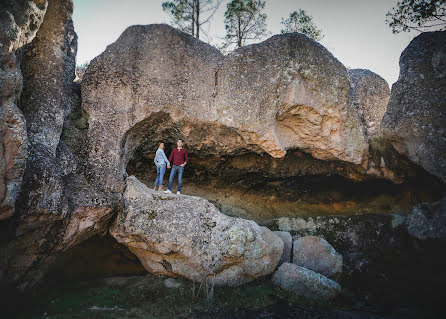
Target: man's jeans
<point>173,172</point>
<point>160,170</point>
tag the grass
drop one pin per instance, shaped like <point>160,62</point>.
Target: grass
<point>146,297</point>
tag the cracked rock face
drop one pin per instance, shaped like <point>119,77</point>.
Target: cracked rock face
<point>56,208</point>
<point>187,236</point>
<point>287,92</point>
<point>20,21</point>
<point>370,94</point>
<point>415,120</point>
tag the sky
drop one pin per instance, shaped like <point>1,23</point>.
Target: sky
<point>354,31</point>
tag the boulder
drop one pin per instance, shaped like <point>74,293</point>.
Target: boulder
<point>287,245</point>
<point>20,21</point>
<point>306,283</point>
<point>362,240</point>
<point>370,95</point>
<point>315,253</point>
<point>428,220</point>
<point>187,236</point>
<point>415,120</point>
<point>157,83</point>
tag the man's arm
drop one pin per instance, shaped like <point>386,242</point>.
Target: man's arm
<point>171,156</point>
<point>186,157</point>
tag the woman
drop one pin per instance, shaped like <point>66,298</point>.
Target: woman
<point>160,162</point>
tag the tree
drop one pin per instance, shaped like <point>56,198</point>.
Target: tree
<point>190,15</point>
<point>300,21</point>
<point>418,15</point>
<point>244,21</point>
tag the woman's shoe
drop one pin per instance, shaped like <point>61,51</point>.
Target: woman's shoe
<point>160,188</point>
<point>155,188</point>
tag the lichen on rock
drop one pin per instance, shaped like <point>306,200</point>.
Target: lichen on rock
<point>189,237</point>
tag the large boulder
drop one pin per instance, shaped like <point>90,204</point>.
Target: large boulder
<point>315,253</point>
<point>20,21</point>
<point>306,283</point>
<point>370,94</point>
<point>415,120</point>
<point>157,83</point>
<point>187,236</point>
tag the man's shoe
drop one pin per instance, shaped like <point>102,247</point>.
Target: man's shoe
<point>168,191</point>
<point>178,193</point>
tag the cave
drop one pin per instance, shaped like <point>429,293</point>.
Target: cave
<point>251,184</point>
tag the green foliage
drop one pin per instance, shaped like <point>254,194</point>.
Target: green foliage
<point>418,15</point>
<point>191,15</point>
<point>244,21</point>
<point>300,21</point>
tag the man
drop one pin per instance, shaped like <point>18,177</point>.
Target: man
<point>179,158</point>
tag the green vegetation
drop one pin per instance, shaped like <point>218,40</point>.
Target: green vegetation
<point>244,21</point>
<point>191,15</point>
<point>147,297</point>
<point>418,15</point>
<point>300,21</point>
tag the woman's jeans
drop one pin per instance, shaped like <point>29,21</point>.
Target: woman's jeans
<point>160,170</point>
<point>173,172</point>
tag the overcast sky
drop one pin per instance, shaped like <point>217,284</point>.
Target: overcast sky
<point>354,30</point>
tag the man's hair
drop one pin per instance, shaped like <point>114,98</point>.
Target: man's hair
<point>179,140</point>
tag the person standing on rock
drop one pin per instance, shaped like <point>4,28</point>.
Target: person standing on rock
<point>160,162</point>
<point>179,158</point>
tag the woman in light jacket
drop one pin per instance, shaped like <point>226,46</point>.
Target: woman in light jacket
<point>160,162</point>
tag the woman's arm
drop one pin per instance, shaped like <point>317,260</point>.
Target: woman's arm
<point>165,159</point>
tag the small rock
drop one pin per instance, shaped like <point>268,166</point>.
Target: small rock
<point>287,245</point>
<point>305,282</point>
<point>316,254</point>
<point>171,283</point>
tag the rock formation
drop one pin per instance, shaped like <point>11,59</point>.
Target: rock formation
<point>305,282</point>
<point>287,246</point>
<point>317,254</point>
<point>188,236</point>
<point>19,24</point>
<point>428,221</point>
<point>415,120</point>
<point>191,90</point>
<point>56,208</point>
<point>370,95</point>
<point>270,123</point>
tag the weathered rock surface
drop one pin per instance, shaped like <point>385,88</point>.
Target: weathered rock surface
<point>19,23</point>
<point>315,253</point>
<point>415,120</point>
<point>362,240</point>
<point>370,94</point>
<point>428,221</point>
<point>155,83</point>
<point>56,208</point>
<point>187,236</point>
<point>287,246</point>
<point>305,282</point>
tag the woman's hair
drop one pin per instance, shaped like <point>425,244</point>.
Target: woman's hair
<point>159,143</point>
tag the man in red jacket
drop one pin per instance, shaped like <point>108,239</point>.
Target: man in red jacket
<point>179,158</point>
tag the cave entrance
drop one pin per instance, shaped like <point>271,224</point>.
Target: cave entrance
<point>253,185</point>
